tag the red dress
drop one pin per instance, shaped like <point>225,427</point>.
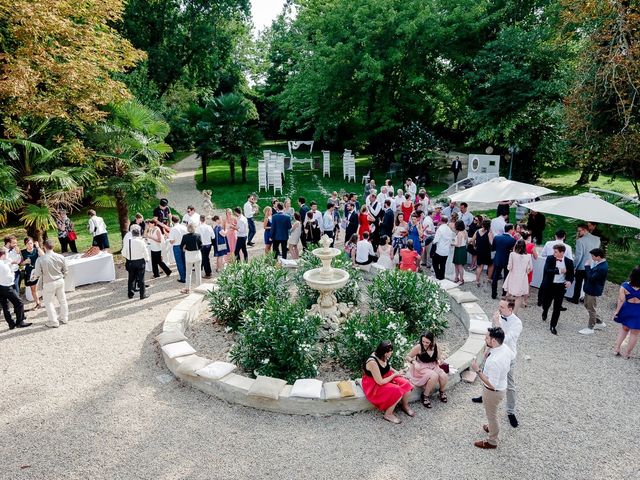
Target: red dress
<point>384,396</point>
<point>406,211</point>
<point>530,248</point>
<point>363,218</point>
<point>408,260</point>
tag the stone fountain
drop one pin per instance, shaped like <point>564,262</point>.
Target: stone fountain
<point>327,280</point>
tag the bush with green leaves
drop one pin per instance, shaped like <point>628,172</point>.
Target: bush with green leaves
<point>278,339</point>
<point>244,286</point>
<point>360,334</point>
<point>350,293</point>
<point>422,301</point>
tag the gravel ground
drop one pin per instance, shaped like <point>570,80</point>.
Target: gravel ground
<point>92,399</point>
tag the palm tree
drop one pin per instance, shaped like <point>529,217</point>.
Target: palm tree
<point>130,146</point>
<point>227,128</point>
<point>35,183</point>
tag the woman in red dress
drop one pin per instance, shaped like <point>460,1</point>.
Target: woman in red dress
<point>407,206</point>
<point>363,219</point>
<point>383,386</point>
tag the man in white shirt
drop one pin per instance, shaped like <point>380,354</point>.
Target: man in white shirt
<point>397,200</point>
<point>13,258</point>
<point>465,215</point>
<point>242,227</point>
<point>8,294</point>
<point>250,209</point>
<point>329,222</point>
<point>443,240</point>
<point>206,235</point>
<point>512,327</point>
<point>175,239</point>
<point>382,196</point>
<point>494,382</point>
<point>317,215</point>
<point>135,251</point>
<point>429,229</point>
<point>411,188</point>
<point>98,229</point>
<point>498,224</point>
<point>547,251</point>
<point>191,217</point>
<point>364,251</point>
<point>51,269</point>
<point>450,209</point>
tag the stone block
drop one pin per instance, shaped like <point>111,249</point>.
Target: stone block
<point>461,296</point>
<point>175,320</point>
<point>238,382</point>
<point>204,288</point>
<point>478,316</point>
<point>474,345</point>
<point>447,284</point>
<point>469,376</point>
<point>330,391</point>
<point>460,360</point>
<point>479,327</point>
<point>472,308</point>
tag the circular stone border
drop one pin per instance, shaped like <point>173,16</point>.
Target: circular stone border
<point>234,388</point>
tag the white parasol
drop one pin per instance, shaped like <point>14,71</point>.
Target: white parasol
<point>588,207</point>
<point>499,189</point>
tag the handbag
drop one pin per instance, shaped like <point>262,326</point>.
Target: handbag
<point>72,235</point>
<point>444,366</point>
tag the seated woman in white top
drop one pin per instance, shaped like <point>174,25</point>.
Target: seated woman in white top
<point>364,251</point>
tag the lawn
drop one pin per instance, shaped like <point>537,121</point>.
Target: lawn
<point>564,180</point>
<point>300,182</point>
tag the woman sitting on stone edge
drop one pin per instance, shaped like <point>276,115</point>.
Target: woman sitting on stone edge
<point>424,368</point>
<point>383,386</point>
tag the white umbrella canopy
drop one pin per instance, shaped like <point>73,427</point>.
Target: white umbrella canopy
<point>499,189</point>
<point>588,207</point>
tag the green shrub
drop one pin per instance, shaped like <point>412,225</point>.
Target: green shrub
<point>350,293</point>
<point>244,286</point>
<point>360,334</point>
<point>278,339</point>
<point>421,300</point>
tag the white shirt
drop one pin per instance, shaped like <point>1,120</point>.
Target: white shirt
<point>243,226</point>
<point>497,366</point>
<point>176,234</point>
<point>547,251</point>
<point>512,327</point>
<point>560,278</point>
<point>467,218</point>
<point>154,245</point>
<point>97,226</point>
<point>374,208</point>
<point>448,211</point>
<point>381,198</point>
<point>6,275</point>
<point>363,250</point>
<point>328,223</point>
<point>50,267</point>
<point>135,249</point>
<point>411,190</point>
<point>14,255</point>
<point>194,218</point>
<point>443,240</point>
<point>497,225</point>
<point>248,209</point>
<point>427,224</point>
<point>390,190</point>
<point>317,216</point>
<point>206,233</point>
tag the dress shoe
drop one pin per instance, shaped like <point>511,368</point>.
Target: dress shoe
<point>544,316</point>
<point>477,399</point>
<point>169,273</point>
<point>12,326</point>
<point>513,420</point>
<point>143,297</point>
<point>182,281</point>
<point>251,244</point>
<point>484,444</point>
<point>156,276</point>
<point>24,324</point>
<point>563,309</point>
<point>130,295</point>
<point>554,331</point>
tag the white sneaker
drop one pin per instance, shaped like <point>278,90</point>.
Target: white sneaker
<point>586,331</point>
<point>52,325</point>
<point>600,326</point>
<point>64,321</point>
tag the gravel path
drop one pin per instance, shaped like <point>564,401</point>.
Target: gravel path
<point>92,399</point>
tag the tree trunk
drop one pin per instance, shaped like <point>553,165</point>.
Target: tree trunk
<point>584,176</point>
<point>595,176</point>
<point>123,213</point>
<point>203,159</point>
<point>232,169</point>
<point>36,234</point>
<point>243,166</point>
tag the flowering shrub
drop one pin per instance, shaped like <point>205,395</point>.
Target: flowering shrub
<point>350,293</point>
<point>422,301</point>
<point>360,334</point>
<point>246,285</point>
<point>278,339</point>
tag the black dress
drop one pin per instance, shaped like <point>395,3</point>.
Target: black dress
<point>28,268</point>
<point>483,248</point>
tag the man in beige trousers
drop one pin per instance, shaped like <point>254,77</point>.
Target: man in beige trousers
<point>494,383</point>
<point>51,269</point>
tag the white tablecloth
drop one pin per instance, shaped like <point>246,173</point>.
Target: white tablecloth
<point>83,271</point>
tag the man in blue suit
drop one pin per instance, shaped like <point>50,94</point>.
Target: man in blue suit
<point>596,271</point>
<point>502,245</point>
<point>353,223</point>
<point>280,226</point>
<point>386,226</point>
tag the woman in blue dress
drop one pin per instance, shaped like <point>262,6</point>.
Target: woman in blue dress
<point>220,243</point>
<point>415,233</point>
<point>628,313</point>
<point>267,229</point>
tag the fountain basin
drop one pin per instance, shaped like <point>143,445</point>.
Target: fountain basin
<point>320,279</point>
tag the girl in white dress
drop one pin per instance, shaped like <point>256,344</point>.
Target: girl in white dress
<point>294,236</point>
<point>385,253</point>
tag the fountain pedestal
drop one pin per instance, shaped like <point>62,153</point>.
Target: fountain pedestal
<point>326,279</point>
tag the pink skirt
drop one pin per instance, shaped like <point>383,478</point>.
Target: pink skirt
<point>420,373</point>
<point>384,396</point>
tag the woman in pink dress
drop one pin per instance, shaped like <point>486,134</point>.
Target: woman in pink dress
<point>231,226</point>
<point>383,386</point>
<point>531,250</point>
<point>517,282</point>
<point>424,368</point>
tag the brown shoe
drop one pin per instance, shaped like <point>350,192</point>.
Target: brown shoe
<point>485,427</point>
<point>484,444</point>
